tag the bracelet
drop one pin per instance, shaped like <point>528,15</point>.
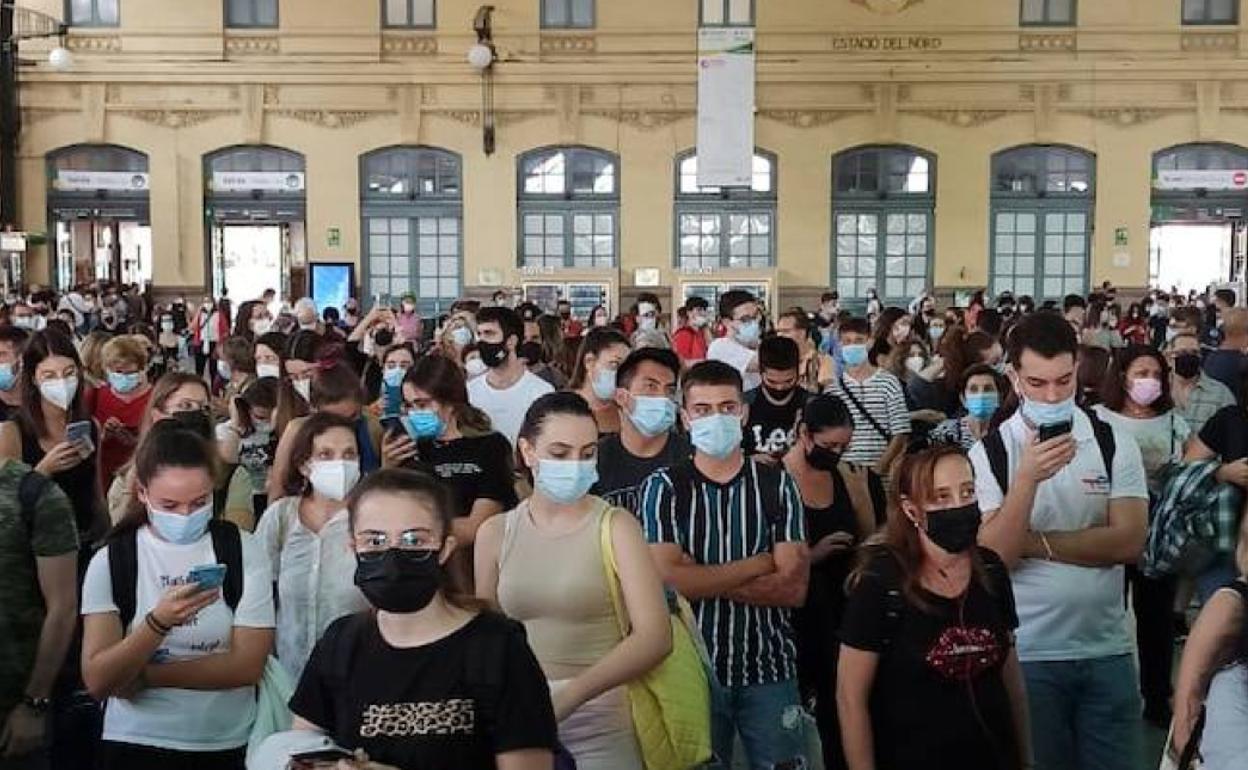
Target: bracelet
<point>1048,549</point>
<point>158,628</point>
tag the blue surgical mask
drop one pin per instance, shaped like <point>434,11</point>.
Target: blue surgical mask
<point>8,377</point>
<point>604,383</point>
<point>424,423</point>
<point>123,382</point>
<point>717,435</point>
<point>223,370</point>
<point>566,481</point>
<point>653,415</point>
<point>1039,413</point>
<point>461,335</point>
<point>393,376</point>
<point>982,406</point>
<point>748,332</point>
<point>854,355</point>
<point>935,332</point>
<point>179,529</point>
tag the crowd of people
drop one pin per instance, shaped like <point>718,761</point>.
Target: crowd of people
<point>278,537</point>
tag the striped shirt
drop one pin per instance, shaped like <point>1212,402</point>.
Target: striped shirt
<point>882,396</point>
<point>730,522</point>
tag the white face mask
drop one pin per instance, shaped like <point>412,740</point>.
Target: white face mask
<point>60,392</point>
<point>303,388</point>
<point>334,478</point>
<point>475,367</point>
<point>268,370</point>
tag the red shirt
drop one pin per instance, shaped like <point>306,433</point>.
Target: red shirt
<point>116,451</point>
<point>690,344</point>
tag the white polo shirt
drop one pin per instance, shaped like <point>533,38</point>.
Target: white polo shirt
<point>1067,612</point>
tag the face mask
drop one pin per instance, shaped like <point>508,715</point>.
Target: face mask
<point>565,314</point>
<point>123,383</point>
<point>423,423</point>
<point>493,354</point>
<point>475,367</point>
<point>603,383</point>
<point>223,370</point>
<point>717,435</point>
<point>747,333</point>
<point>1187,365</point>
<point>530,351</point>
<point>268,370</point>
<point>699,321</point>
<point>261,426</point>
<point>178,529</point>
<point>8,377</point>
<point>303,388</point>
<point>399,580</point>
<point>59,392</point>
<point>461,336</point>
<point>24,321</point>
<point>408,307</point>
<point>935,332</point>
<point>1171,333</point>
<point>333,478</point>
<point>261,326</point>
<point>393,376</point>
<point>854,355</point>
<point>823,458</point>
<point>982,406</point>
<point>778,395</point>
<point>915,364</point>
<point>166,326</point>
<point>308,327</point>
<point>647,322</point>
<point>600,321</point>
<point>383,337</point>
<point>1145,391</point>
<point>652,415</point>
<point>954,530</point>
<point>566,481</point>
<point>1040,414</point>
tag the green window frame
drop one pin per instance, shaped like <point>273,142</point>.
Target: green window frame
<point>726,13</point>
<point>93,13</point>
<point>1047,13</point>
<point>244,14</point>
<point>568,14</point>
<point>568,208</point>
<point>730,227</point>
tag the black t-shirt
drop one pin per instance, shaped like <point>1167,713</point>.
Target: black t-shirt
<point>475,468</point>
<point>621,474</point>
<point>771,428</point>
<point>450,705</point>
<point>938,700</point>
<point>1226,433</point>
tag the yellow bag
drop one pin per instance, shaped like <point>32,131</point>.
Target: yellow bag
<point>671,705</point>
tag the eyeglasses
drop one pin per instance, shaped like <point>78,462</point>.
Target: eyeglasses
<point>374,542</point>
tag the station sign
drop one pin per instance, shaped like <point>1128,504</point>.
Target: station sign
<point>267,181</point>
<point>1201,179</point>
<point>89,181</point>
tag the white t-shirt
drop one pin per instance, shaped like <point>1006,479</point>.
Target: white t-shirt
<point>1160,438</point>
<point>169,718</point>
<point>1067,612</point>
<point>738,356</point>
<point>507,408</point>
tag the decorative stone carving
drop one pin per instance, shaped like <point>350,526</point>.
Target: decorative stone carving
<point>1210,42</point>
<point>171,118</point>
<point>886,7</point>
<point>328,118</point>
<point>1123,116</point>
<point>963,118</point>
<point>94,43</point>
<point>252,45</point>
<point>645,120</point>
<point>569,44</point>
<point>1043,42</point>
<point>409,45</point>
<point>467,117</point>
<point>808,118</point>
<point>272,94</point>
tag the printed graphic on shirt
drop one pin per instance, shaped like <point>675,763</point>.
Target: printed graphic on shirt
<point>1097,484</point>
<point>456,716</point>
<point>962,653</point>
<point>776,442</point>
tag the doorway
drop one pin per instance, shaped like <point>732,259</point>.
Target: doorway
<point>1187,256</point>
<point>94,249</point>
<point>250,258</point>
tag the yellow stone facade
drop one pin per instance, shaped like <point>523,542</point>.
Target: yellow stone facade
<point>960,79</point>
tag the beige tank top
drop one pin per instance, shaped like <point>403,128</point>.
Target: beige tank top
<point>557,587</point>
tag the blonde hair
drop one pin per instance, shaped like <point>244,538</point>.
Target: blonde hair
<point>125,349</point>
<point>91,350</point>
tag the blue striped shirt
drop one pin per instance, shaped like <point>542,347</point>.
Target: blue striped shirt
<point>729,522</point>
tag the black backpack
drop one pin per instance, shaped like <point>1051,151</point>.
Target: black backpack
<point>994,448</point>
<point>123,566</point>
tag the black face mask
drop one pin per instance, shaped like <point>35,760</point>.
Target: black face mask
<point>954,530</point>
<point>779,395</point>
<point>399,580</point>
<point>565,314</point>
<point>493,354</point>
<point>529,351</point>
<point>823,458</point>
<point>1187,365</point>
<point>384,337</point>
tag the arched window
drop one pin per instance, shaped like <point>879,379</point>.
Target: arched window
<point>1042,201</point>
<point>883,204</point>
<point>412,206</point>
<point>725,227</point>
<point>569,207</point>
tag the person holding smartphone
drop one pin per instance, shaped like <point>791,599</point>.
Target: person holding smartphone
<point>307,539</point>
<point>180,678</point>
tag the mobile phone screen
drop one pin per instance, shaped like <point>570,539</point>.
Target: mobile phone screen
<point>1053,431</point>
<point>207,576</point>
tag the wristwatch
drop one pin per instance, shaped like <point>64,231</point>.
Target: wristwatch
<point>37,705</point>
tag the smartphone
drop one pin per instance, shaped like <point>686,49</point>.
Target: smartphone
<point>80,433</point>
<point>1056,429</point>
<point>320,755</point>
<point>207,576</point>
<point>391,425</point>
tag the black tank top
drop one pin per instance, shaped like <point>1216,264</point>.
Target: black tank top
<point>78,483</point>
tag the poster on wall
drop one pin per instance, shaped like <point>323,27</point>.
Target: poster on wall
<point>330,284</point>
<point>725,106</point>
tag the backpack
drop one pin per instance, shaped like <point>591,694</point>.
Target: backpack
<point>994,448</point>
<point>123,567</point>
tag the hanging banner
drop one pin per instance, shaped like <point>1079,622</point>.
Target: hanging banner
<point>1210,179</point>
<point>90,181</point>
<point>725,106</point>
<point>246,181</point>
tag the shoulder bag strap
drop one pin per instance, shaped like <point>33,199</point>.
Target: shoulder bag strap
<point>862,410</point>
<point>123,572</point>
<point>611,571</point>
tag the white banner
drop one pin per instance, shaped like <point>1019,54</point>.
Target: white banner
<point>1212,179</point>
<point>12,241</point>
<point>246,181</point>
<point>725,106</point>
<point>78,181</point>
